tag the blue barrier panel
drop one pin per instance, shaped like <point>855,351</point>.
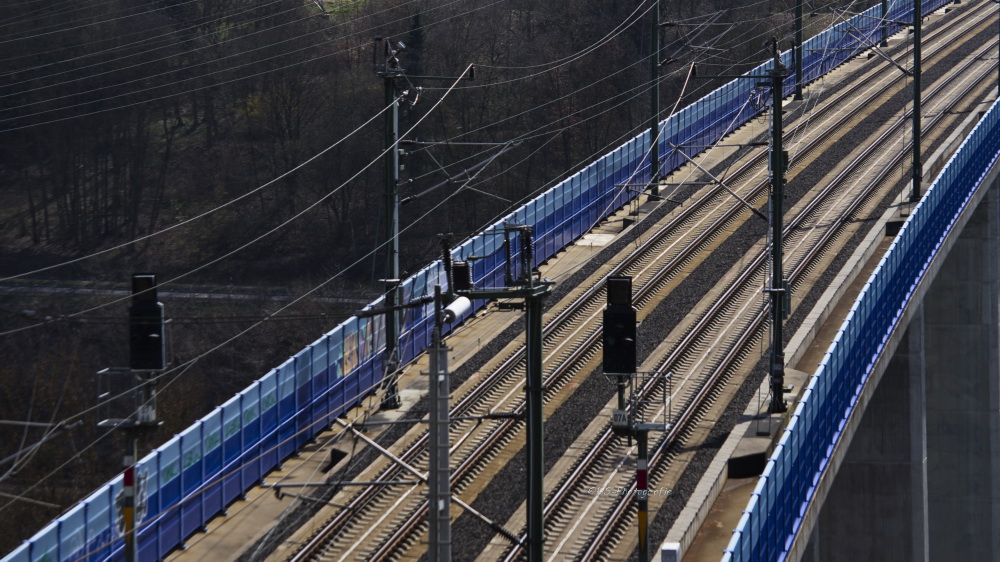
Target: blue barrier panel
<point>100,522</point>
<point>284,377</point>
<point>191,473</point>
<point>303,396</point>
<point>45,545</point>
<point>21,554</point>
<point>269,417</point>
<point>232,450</point>
<point>320,382</point>
<point>191,478</point>
<point>169,523</point>
<point>348,385</point>
<point>212,428</point>
<point>73,533</point>
<point>250,417</point>
<point>148,542</point>
<point>147,473</point>
<point>286,407</point>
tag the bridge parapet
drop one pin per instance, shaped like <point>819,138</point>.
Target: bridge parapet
<point>777,511</point>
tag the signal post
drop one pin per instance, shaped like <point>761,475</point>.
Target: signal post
<point>128,396</point>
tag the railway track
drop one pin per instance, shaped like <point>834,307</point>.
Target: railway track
<point>383,522</point>
<point>811,238</point>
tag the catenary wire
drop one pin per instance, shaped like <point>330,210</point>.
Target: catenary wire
<point>206,213</point>
<point>184,367</point>
<point>249,64</point>
<point>169,228</point>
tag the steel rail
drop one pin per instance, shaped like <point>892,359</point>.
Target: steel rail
<point>811,255</point>
<point>568,312</point>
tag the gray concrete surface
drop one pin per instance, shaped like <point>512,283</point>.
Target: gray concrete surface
<point>921,478</point>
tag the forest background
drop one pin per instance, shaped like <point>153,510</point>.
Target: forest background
<point>232,147</point>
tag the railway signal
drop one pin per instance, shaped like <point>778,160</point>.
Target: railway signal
<point>147,348</point>
<point>128,396</point>
<point>619,328</point>
<point>619,342</point>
